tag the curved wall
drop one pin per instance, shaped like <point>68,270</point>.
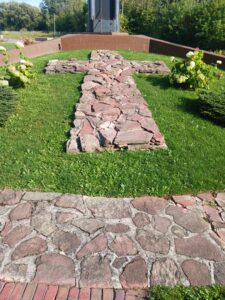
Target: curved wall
<point>111,42</point>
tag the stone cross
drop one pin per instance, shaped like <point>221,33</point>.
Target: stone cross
<point>111,113</point>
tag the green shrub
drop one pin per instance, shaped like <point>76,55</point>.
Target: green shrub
<point>123,23</point>
<point>214,292</point>
<point>15,75</point>
<point>8,99</point>
<point>212,105</point>
<point>20,74</point>
<point>192,72</point>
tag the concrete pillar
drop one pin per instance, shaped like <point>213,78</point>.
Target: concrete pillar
<point>103,24</point>
<point>117,27</point>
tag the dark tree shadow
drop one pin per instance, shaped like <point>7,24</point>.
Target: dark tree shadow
<point>160,81</point>
<point>193,106</point>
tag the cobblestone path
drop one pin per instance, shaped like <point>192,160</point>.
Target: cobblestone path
<point>93,242</point>
<point>111,113</point>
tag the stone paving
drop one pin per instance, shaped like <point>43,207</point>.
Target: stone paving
<point>94,242</point>
<point>111,113</point>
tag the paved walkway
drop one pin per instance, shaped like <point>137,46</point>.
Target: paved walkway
<point>119,243</point>
<point>33,291</point>
<point>111,113</point>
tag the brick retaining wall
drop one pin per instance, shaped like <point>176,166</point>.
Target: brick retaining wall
<point>111,42</point>
<point>171,49</point>
<point>34,50</point>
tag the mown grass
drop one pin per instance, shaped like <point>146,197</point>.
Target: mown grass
<point>32,144</point>
<point>25,34</point>
<point>8,45</point>
<point>214,292</point>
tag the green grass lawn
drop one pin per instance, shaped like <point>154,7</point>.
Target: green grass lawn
<point>8,45</point>
<point>213,292</point>
<point>32,144</point>
<point>25,34</point>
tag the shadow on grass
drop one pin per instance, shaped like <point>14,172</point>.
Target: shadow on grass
<point>160,81</point>
<point>193,106</point>
<point>71,117</point>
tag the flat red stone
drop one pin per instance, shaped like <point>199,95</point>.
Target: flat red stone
<point>135,274</point>
<point>98,244</point>
<point>212,213</point>
<point>185,200</point>
<point>20,212</point>
<point>86,129</point>
<point>33,246</point>
<point>199,246</point>
<point>197,273</point>
<point>150,205</point>
<point>55,269</point>
<point>17,234</point>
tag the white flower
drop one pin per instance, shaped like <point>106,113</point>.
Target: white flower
<point>182,79</point>
<point>219,62</point>
<point>2,49</point>
<point>23,67</point>
<point>19,45</point>
<point>172,58</point>
<point>16,73</point>
<point>192,65</point>
<point>29,64</point>
<point>190,54</point>
<point>26,63</point>
<point>4,83</point>
<point>23,61</point>
<point>201,76</point>
<point>12,70</point>
<point>24,79</point>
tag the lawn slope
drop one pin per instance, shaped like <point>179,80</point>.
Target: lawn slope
<point>32,144</point>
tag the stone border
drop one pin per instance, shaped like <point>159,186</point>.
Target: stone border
<point>23,291</point>
<point>111,114</point>
<point>98,242</point>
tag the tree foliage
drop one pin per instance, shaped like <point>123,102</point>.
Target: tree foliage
<point>198,23</point>
<point>71,15</point>
<point>17,16</point>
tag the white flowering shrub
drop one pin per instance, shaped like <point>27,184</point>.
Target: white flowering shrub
<point>193,73</point>
<point>20,74</point>
<point>16,75</point>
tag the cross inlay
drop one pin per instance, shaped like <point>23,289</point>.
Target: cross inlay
<point>111,113</point>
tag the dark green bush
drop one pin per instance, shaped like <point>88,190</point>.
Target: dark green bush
<point>8,99</point>
<point>212,105</point>
<point>214,292</point>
